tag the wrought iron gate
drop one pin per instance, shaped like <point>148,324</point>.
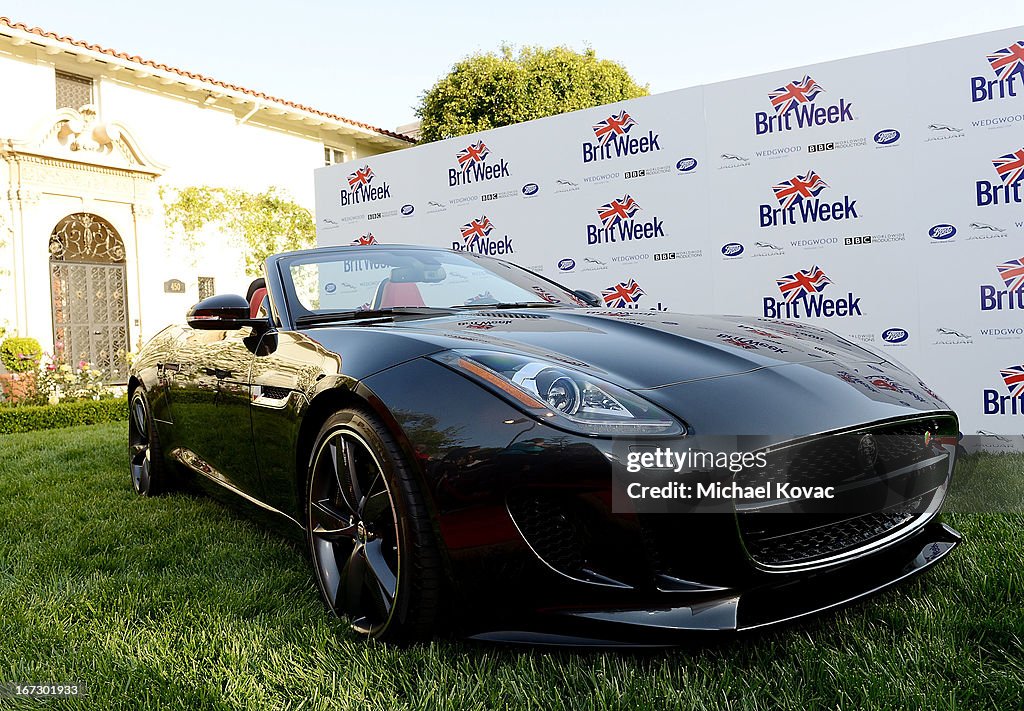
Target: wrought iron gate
<point>87,281</point>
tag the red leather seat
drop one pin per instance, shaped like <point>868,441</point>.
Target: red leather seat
<point>256,302</point>
<point>400,294</point>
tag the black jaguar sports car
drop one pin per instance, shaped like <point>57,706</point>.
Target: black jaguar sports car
<point>470,448</point>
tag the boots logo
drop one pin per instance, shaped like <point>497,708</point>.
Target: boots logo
<point>1008,66</point>
<point>799,203</point>
<point>618,223</point>
<point>476,237</point>
<point>365,240</point>
<point>613,139</point>
<point>1012,297</point>
<point>361,188</point>
<point>795,108</point>
<point>473,166</point>
<point>995,403</point>
<point>623,294</point>
<point>803,297</point>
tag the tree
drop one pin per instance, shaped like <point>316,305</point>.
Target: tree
<point>264,223</point>
<point>489,90</point>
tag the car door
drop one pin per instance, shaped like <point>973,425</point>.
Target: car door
<point>209,396</point>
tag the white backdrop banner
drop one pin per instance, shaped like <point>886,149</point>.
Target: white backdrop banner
<point>879,196</point>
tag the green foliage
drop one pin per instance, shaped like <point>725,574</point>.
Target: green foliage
<point>20,355</point>
<point>66,414</point>
<point>60,382</point>
<point>489,90</point>
<point>262,223</point>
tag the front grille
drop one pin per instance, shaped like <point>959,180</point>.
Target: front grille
<point>830,539</point>
<point>805,534</point>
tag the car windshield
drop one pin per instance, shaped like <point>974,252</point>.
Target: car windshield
<point>377,278</point>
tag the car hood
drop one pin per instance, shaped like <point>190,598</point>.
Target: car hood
<point>639,349</point>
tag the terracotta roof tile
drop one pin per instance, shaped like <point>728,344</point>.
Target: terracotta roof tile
<point>4,21</point>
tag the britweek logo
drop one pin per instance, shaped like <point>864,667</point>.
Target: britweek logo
<point>364,240</point>
<point>361,188</point>
<point>996,403</point>
<point>795,108</point>
<point>1008,66</point>
<point>476,237</point>
<point>803,298</point>
<point>474,168</point>
<point>1012,297</point>
<point>799,203</point>
<point>1010,169</point>
<point>618,225</point>
<point>614,139</point>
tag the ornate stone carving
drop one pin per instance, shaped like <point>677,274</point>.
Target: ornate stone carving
<point>88,133</point>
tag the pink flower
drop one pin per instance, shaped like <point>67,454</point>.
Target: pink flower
<point>82,364</point>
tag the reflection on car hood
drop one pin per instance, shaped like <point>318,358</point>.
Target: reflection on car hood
<point>640,349</point>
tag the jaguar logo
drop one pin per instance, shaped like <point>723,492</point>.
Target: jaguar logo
<point>867,452</point>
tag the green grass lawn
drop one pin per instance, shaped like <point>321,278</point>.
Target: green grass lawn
<point>178,602</point>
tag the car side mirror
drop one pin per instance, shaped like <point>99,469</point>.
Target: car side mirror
<point>589,297</point>
<point>223,312</point>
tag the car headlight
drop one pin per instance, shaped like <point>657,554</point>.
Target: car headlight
<point>562,396</point>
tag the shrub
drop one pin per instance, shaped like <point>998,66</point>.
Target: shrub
<point>66,414</point>
<point>20,355</point>
<point>60,382</point>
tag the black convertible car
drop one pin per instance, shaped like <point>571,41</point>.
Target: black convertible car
<point>469,447</point>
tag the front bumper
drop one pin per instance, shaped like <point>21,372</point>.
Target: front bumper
<point>780,600</point>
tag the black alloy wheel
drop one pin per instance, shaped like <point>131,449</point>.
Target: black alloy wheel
<point>372,547</point>
<point>146,463</point>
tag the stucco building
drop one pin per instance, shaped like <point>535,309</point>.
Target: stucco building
<point>88,136</point>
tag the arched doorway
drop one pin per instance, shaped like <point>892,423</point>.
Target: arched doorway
<point>87,281</point>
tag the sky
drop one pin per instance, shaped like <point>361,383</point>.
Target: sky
<point>372,61</point>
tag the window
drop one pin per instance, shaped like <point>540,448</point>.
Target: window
<point>73,91</point>
<point>333,155</point>
<point>206,288</point>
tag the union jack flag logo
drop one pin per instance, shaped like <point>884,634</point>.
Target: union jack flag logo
<point>475,230</point>
<point>366,239</point>
<point>885,383</point>
<point>362,176</point>
<point>617,125</point>
<point>1008,61</point>
<point>1012,274</point>
<point>625,292</point>
<point>614,212</point>
<point>1010,167</point>
<point>472,154</point>
<point>1014,379</point>
<point>803,283</point>
<point>794,93</point>
<point>799,188</point>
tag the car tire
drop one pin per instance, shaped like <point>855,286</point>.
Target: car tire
<point>149,471</point>
<point>373,547</point>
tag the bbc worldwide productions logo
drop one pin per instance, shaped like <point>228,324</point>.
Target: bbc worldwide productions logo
<point>795,106</point>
